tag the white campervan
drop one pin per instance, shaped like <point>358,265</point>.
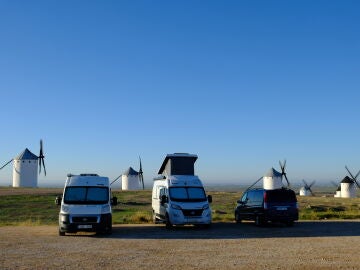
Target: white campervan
<point>178,196</point>
<point>86,204</point>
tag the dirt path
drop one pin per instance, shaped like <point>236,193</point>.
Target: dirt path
<point>307,245</point>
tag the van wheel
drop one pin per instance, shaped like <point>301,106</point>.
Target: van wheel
<point>237,218</point>
<point>168,224</point>
<point>61,233</point>
<point>259,221</point>
<point>108,230</point>
<point>290,223</point>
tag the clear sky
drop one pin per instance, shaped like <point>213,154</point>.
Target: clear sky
<point>242,84</point>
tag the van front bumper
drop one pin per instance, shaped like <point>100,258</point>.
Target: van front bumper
<point>73,224</point>
<point>178,218</point>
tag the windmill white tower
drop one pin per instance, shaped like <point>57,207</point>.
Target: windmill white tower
<point>306,189</point>
<point>272,180</point>
<point>25,167</point>
<point>348,185</point>
<point>130,180</point>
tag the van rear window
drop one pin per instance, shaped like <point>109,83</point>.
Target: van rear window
<point>281,195</point>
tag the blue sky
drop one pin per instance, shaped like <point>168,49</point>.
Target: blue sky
<point>242,84</point>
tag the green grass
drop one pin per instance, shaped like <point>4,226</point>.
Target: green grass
<point>28,209</point>
<point>135,207</point>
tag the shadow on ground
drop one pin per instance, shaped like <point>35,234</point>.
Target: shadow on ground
<point>238,231</point>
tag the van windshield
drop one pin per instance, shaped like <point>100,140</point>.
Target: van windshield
<point>86,195</point>
<point>187,194</point>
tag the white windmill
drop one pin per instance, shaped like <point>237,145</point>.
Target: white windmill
<point>306,189</point>
<point>348,185</point>
<point>131,179</point>
<point>273,179</point>
<point>25,167</point>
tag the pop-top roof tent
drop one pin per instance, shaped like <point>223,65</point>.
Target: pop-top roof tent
<point>26,155</point>
<point>178,164</point>
<point>130,171</point>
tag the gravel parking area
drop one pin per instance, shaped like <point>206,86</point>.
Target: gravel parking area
<point>307,245</point>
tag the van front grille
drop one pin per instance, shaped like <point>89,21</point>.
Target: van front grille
<point>84,219</point>
<point>192,212</point>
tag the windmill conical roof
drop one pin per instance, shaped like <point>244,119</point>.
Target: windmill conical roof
<point>272,173</point>
<point>347,179</point>
<point>26,154</point>
<point>130,171</point>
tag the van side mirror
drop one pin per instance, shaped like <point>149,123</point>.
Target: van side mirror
<point>58,200</point>
<point>114,201</point>
<point>163,199</point>
<point>209,198</point>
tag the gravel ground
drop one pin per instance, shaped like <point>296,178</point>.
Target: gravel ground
<point>307,245</point>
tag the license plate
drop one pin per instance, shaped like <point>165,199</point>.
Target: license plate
<point>84,226</point>
<point>281,208</point>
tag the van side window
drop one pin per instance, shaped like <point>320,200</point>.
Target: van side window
<point>244,197</point>
<point>255,196</point>
<point>258,196</point>
<point>251,196</point>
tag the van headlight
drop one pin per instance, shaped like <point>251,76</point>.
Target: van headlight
<point>65,209</point>
<point>206,206</point>
<point>105,209</point>
<point>175,206</point>
<point>64,219</point>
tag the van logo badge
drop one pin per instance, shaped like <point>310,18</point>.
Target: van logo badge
<point>84,219</point>
<point>192,212</point>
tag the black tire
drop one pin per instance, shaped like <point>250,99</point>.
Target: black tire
<point>237,218</point>
<point>207,226</point>
<point>108,230</point>
<point>61,233</point>
<point>259,221</point>
<point>290,223</point>
<point>168,224</point>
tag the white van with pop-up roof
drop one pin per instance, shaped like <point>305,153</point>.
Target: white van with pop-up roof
<point>178,195</point>
<point>86,204</point>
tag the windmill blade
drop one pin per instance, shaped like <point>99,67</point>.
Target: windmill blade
<point>141,176</point>
<point>43,163</point>
<point>115,179</point>
<point>312,183</point>
<point>356,182</point>
<point>6,164</point>
<point>288,183</point>
<point>41,158</point>
<point>356,176</point>
<point>283,173</point>
<point>254,183</point>
<point>306,185</point>
<point>350,173</point>
<point>312,193</point>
